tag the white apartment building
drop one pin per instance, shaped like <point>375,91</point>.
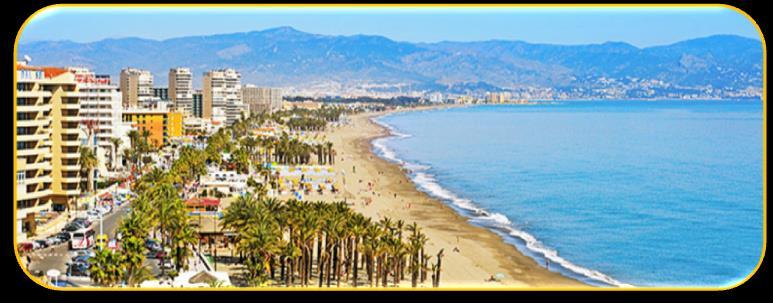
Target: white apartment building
<point>222,89</point>
<point>136,86</point>
<point>181,89</point>
<point>101,118</point>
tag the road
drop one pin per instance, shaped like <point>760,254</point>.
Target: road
<point>56,257</point>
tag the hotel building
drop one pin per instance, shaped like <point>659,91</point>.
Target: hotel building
<point>100,111</point>
<point>222,89</point>
<point>262,99</point>
<point>136,86</point>
<point>181,88</point>
<point>47,141</point>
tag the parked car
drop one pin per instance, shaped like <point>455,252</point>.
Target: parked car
<point>53,240</point>
<point>71,227</point>
<point>39,244</point>
<point>77,270</point>
<point>85,221</point>
<point>152,245</point>
<point>93,215</point>
<point>82,252</point>
<point>64,236</point>
<point>81,259</point>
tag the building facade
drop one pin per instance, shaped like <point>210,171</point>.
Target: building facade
<point>136,86</point>
<point>47,140</point>
<point>181,89</point>
<point>262,99</point>
<point>100,111</point>
<point>197,104</point>
<point>161,93</point>
<point>222,89</point>
<point>160,123</point>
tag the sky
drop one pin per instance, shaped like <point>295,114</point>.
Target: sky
<point>640,26</point>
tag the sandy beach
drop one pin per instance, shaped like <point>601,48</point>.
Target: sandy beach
<point>471,254</point>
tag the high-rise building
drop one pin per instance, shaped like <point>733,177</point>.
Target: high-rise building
<point>181,88</point>
<point>222,89</point>
<point>136,86</point>
<point>262,99</point>
<point>100,112</point>
<point>47,141</point>
<point>197,104</point>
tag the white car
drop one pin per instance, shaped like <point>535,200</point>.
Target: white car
<point>93,215</point>
<point>53,240</point>
<point>101,210</point>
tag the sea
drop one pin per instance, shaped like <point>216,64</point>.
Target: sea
<point>612,193</point>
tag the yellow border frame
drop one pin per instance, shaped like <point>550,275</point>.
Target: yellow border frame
<point>454,6</point>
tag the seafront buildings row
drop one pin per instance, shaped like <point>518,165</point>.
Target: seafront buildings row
<point>59,110</point>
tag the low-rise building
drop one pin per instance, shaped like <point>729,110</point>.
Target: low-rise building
<point>161,123</point>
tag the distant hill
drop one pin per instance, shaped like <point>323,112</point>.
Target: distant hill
<point>287,57</point>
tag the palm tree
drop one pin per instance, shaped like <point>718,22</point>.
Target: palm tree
<point>116,143</point>
<point>331,158</point>
<point>436,269</point>
<point>167,206</point>
<point>105,268</point>
<point>88,161</point>
<point>132,249</point>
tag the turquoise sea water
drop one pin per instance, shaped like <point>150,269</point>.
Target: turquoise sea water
<point>665,193</point>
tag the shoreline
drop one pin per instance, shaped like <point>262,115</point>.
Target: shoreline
<point>472,253</point>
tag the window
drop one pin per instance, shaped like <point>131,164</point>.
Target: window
<point>20,177</point>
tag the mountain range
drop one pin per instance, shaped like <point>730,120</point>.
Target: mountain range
<point>284,56</point>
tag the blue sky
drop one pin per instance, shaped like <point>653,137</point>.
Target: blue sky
<point>639,26</point>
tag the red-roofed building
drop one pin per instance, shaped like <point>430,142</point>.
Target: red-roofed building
<point>202,204</point>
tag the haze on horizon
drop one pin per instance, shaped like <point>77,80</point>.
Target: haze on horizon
<point>641,27</point>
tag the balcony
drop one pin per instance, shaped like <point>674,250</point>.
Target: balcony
<point>74,130</point>
<point>71,106</point>
<point>38,179</point>
<point>71,142</point>
<point>33,166</point>
<point>33,122</point>
<point>33,94</point>
<point>73,118</point>
<point>71,167</point>
<point>31,137</point>
<point>72,192</point>
<point>31,151</point>
<point>71,155</point>
<point>71,179</point>
<point>33,108</point>
<point>23,195</point>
